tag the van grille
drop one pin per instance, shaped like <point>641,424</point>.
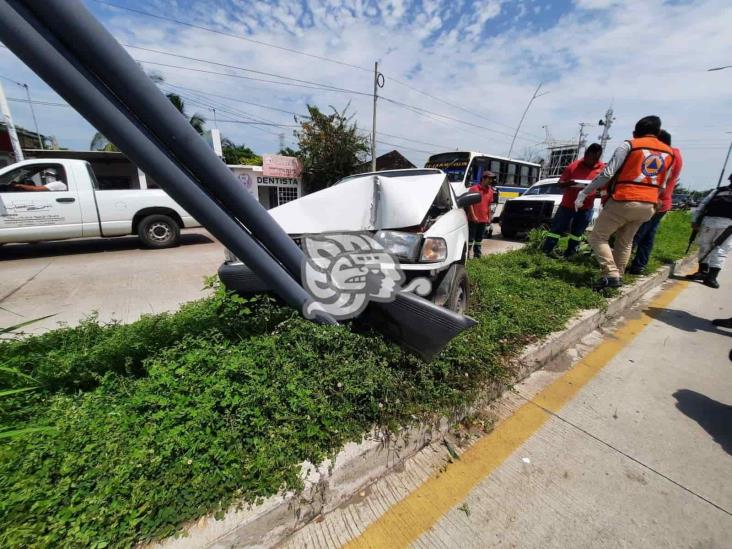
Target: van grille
<point>535,209</point>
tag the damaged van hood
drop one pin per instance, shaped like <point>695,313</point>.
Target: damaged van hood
<point>369,202</point>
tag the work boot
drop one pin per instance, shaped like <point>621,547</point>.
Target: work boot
<point>723,322</point>
<point>477,252</point>
<point>637,271</point>
<point>700,274</point>
<point>711,278</point>
<point>607,282</point>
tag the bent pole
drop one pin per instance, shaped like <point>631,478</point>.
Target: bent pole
<point>99,51</point>
<point>33,44</point>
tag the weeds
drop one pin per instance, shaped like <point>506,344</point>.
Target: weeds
<point>178,415</point>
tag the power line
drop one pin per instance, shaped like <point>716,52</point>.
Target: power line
<point>248,77</point>
<point>319,85</point>
<point>233,35</point>
<point>35,102</point>
<point>420,110</point>
<point>234,99</point>
<point>455,106</point>
<point>299,52</point>
<point>245,69</point>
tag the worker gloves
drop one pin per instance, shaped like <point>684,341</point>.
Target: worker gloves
<point>579,202</point>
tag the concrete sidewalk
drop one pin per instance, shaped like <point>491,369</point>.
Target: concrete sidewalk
<point>630,447</point>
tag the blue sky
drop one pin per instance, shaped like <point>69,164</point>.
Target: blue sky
<point>457,74</point>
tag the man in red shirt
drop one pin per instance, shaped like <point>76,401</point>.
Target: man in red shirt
<point>643,240</point>
<point>566,218</point>
<point>479,215</point>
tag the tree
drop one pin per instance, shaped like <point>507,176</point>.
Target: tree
<point>239,154</point>
<point>287,151</point>
<point>531,154</point>
<point>197,121</point>
<point>330,147</point>
<point>101,143</point>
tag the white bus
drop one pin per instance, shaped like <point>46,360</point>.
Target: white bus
<point>464,169</point>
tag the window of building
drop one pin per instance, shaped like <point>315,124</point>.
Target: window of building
<point>286,194</point>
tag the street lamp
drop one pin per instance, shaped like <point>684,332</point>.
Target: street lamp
<point>719,68</point>
<point>536,94</point>
<point>724,166</point>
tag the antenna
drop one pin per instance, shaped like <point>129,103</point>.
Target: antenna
<point>606,123</point>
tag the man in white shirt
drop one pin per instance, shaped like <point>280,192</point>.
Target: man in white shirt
<point>50,183</point>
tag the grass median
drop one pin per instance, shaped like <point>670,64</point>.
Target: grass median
<point>177,415</point>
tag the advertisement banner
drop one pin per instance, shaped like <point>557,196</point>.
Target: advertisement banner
<point>274,165</point>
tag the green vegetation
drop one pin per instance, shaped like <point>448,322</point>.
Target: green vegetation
<point>330,147</point>
<point>176,415</point>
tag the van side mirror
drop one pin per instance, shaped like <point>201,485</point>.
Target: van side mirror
<point>468,199</point>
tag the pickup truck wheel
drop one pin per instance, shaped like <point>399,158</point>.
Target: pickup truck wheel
<point>159,231</point>
<point>459,293</point>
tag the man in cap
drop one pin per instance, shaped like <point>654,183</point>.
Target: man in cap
<point>479,214</point>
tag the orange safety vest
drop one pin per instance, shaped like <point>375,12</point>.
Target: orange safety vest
<point>643,173</point>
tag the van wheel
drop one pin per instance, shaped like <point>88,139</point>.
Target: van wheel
<point>460,292</point>
<point>159,231</point>
<point>508,231</point>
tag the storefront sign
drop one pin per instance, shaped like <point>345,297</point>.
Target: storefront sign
<point>264,181</point>
<point>274,165</point>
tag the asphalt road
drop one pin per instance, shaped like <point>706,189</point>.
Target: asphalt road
<point>113,277</point>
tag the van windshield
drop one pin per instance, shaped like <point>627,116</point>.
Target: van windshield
<point>552,188</point>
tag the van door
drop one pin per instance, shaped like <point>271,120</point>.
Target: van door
<point>38,202</point>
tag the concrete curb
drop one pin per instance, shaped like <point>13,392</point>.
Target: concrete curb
<point>358,465</point>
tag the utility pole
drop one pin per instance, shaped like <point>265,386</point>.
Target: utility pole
<point>10,126</point>
<point>724,166</point>
<point>378,83</point>
<point>582,138</point>
<point>33,114</point>
<point>536,94</point>
<point>606,124</point>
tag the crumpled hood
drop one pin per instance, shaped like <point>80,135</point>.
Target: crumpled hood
<point>354,205</point>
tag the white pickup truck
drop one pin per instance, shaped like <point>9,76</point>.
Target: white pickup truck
<point>57,199</point>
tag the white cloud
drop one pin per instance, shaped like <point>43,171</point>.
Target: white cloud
<point>648,57</point>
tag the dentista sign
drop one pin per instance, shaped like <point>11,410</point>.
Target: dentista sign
<point>263,181</point>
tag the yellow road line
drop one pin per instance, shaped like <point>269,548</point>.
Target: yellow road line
<point>405,521</point>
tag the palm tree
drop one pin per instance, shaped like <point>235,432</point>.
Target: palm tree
<point>101,143</point>
<point>197,121</point>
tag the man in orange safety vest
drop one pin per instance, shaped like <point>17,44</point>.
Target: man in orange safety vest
<point>635,176</point>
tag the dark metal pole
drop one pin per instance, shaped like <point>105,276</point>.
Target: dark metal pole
<point>33,43</point>
<point>98,50</point>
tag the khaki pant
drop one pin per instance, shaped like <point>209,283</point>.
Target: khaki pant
<point>623,219</point>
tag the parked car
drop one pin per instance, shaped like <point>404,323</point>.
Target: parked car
<point>536,208</point>
<point>414,214</point>
<point>82,210</point>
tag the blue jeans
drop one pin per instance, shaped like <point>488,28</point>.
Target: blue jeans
<point>643,242</point>
<point>571,221</point>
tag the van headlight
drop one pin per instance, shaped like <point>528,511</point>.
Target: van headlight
<point>403,245</point>
<point>434,250</point>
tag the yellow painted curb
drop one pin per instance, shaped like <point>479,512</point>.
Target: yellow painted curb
<point>407,520</point>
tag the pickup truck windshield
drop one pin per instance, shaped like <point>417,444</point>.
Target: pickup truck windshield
<point>453,164</point>
<point>545,189</point>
